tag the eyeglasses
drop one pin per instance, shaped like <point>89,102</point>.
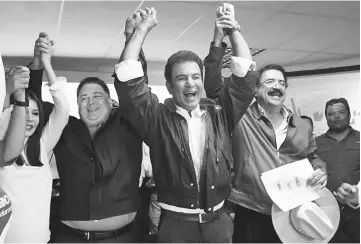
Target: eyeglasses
<point>271,82</point>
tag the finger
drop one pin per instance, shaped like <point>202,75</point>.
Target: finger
<point>154,12</point>
<point>347,187</point>
<point>319,182</point>
<point>225,22</point>
<point>137,16</point>
<point>224,26</point>
<point>44,50</point>
<point>312,179</point>
<point>340,197</point>
<point>16,71</point>
<point>226,18</point>
<point>43,45</point>
<point>148,11</point>
<point>142,13</point>
<point>52,42</point>
<point>43,34</point>
<point>343,192</point>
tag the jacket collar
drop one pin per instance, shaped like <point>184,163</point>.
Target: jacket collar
<point>258,112</point>
<point>203,104</point>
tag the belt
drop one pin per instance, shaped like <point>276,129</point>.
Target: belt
<point>200,217</point>
<point>100,235</point>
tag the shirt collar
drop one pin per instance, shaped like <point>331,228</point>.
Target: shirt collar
<point>284,111</point>
<point>197,112</point>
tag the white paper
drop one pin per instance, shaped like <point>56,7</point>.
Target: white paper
<point>286,185</point>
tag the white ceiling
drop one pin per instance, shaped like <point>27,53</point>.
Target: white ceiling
<point>89,34</point>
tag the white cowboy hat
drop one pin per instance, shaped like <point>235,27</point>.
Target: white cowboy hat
<point>312,222</point>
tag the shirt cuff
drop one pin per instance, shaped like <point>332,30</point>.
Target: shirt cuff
<point>240,66</point>
<point>128,70</point>
<point>58,84</point>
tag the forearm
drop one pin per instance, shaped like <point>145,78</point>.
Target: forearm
<point>213,67</point>
<point>6,101</point>
<point>239,45</point>
<point>14,139</point>
<point>35,64</point>
<point>35,82</point>
<point>49,71</point>
<point>133,46</point>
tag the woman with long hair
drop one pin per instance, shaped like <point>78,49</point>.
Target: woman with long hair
<point>28,179</point>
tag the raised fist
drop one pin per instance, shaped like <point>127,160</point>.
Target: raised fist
<point>226,9</point>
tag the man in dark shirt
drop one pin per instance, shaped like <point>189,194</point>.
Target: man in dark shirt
<point>99,160</point>
<point>339,147</point>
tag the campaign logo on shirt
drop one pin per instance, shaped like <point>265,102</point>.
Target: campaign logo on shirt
<point>5,210</point>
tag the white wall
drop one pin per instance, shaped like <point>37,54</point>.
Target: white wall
<point>310,94</point>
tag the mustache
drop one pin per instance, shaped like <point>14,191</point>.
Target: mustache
<point>275,91</point>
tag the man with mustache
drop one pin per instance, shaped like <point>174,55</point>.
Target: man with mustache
<point>188,136</point>
<point>268,136</point>
<point>339,147</point>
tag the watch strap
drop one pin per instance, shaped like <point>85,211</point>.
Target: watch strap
<point>21,104</point>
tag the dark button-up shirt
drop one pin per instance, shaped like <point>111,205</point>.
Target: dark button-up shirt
<point>342,158</point>
<point>98,177</point>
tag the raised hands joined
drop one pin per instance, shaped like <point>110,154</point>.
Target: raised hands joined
<point>44,48</point>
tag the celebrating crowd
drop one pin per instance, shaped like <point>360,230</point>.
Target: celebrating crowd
<point>201,157</point>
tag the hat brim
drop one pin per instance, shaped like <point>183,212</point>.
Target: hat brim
<point>288,234</point>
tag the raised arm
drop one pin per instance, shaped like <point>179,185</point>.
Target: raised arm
<point>60,114</point>
<point>36,72</point>
<point>16,83</point>
<point>237,92</point>
<point>136,101</point>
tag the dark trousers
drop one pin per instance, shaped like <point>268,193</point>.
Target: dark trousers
<point>67,236</point>
<point>253,227</point>
<point>178,230</point>
<point>349,227</point>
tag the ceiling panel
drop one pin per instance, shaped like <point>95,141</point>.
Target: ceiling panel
<point>96,19</point>
<point>28,17</point>
<point>319,57</point>
<point>266,5</point>
<point>306,66</point>
<point>343,9</point>
<point>174,18</point>
<point>324,36</point>
<point>345,62</point>
<point>82,45</point>
<point>278,56</point>
<point>296,34</point>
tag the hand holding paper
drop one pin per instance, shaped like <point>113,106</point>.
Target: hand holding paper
<point>287,187</point>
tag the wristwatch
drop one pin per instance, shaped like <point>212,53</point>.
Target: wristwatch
<point>22,104</point>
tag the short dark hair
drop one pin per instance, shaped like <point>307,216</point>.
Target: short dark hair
<point>181,57</point>
<point>271,67</point>
<point>92,80</point>
<point>337,100</point>
<point>308,118</point>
